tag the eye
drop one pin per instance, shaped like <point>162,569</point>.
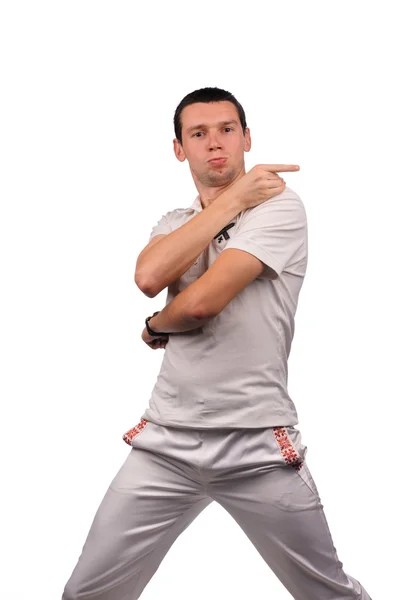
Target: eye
<point>231,129</point>
<point>198,133</point>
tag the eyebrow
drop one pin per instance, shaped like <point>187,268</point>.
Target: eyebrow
<point>203,126</point>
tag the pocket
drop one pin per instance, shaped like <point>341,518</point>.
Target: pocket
<point>132,433</point>
<point>300,466</point>
<point>288,448</point>
<point>306,476</point>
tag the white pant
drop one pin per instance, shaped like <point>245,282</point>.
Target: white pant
<point>259,476</point>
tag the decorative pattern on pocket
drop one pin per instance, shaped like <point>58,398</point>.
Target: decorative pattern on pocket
<point>129,435</point>
<point>288,451</point>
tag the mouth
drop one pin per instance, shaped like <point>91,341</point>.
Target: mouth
<point>217,161</point>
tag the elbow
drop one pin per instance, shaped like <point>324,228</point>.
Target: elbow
<point>197,307</point>
<point>145,285</point>
<point>201,313</point>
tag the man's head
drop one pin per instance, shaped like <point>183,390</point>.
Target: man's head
<point>210,123</point>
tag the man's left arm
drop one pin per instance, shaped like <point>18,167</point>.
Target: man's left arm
<point>272,236</point>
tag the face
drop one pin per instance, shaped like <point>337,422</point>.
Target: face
<point>209,131</point>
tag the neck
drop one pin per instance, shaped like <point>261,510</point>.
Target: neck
<point>209,194</point>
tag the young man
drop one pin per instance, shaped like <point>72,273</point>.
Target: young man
<point>220,424</point>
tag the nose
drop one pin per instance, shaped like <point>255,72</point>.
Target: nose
<point>214,142</point>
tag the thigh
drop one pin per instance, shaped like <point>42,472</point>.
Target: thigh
<point>150,501</point>
<point>280,510</point>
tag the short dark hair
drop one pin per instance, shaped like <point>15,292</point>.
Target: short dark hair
<point>208,94</point>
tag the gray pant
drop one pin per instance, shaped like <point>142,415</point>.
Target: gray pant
<point>259,476</point>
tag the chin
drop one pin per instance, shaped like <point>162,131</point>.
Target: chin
<point>222,176</point>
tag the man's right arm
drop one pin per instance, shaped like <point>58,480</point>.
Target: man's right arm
<point>167,257</point>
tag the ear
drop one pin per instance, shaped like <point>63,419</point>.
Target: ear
<point>178,150</point>
<point>247,140</point>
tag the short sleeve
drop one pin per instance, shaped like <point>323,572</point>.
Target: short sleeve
<point>274,231</point>
<point>162,226</point>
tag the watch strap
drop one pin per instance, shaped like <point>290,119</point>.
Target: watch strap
<point>151,331</point>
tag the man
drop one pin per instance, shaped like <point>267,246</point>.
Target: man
<point>220,424</point>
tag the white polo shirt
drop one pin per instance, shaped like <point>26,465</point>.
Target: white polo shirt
<point>232,373</point>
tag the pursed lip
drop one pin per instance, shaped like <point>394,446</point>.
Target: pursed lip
<point>218,159</point>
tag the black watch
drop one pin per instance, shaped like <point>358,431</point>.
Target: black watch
<point>150,331</point>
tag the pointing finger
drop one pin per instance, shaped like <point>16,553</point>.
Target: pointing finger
<point>280,168</point>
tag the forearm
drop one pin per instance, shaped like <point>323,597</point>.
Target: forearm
<point>172,256</point>
<point>177,317</point>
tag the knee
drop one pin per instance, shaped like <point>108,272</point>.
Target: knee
<point>70,592</point>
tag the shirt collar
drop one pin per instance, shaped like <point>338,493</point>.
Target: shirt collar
<point>196,206</point>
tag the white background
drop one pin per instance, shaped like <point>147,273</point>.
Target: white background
<point>89,89</point>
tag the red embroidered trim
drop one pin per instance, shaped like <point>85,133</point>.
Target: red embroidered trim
<point>129,435</point>
<point>288,451</point>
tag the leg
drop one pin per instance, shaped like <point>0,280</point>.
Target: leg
<point>279,509</point>
<point>151,500</point>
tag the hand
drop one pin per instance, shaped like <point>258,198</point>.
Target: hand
<point>258,185</point>
<point>154,343</point>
